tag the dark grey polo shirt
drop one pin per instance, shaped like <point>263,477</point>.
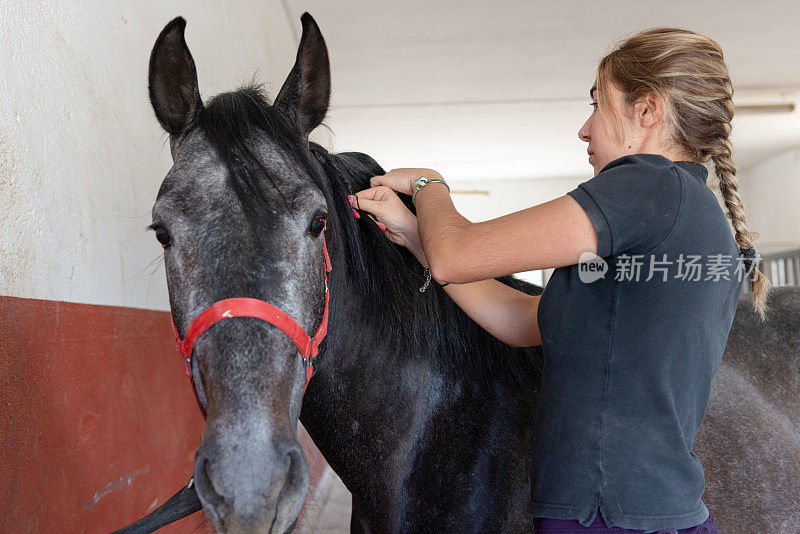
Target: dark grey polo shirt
<point>629,357</point>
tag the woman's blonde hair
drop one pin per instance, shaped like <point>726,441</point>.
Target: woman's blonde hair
<point>687,72</point>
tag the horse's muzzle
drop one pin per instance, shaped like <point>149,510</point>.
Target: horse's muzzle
<point>248,487</point>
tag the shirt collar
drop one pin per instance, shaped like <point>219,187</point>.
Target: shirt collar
<point>695,168</point>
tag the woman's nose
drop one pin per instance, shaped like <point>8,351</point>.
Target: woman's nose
<point>583,133</point>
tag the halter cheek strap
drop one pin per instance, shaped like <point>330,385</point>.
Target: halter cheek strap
<point>259,309</point>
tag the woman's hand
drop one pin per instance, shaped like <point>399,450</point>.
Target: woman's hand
<point>506,313</point>
<point>401,180</point>
<point>401,225</point>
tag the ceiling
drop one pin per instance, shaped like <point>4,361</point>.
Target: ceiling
<point>492,90</point>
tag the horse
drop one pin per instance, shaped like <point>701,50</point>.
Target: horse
<point>428,419</point>
<point>749,441</point>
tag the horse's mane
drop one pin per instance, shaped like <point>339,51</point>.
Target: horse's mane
<point>386,275</point>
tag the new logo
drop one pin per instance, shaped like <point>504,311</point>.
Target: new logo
<point>591,267</point>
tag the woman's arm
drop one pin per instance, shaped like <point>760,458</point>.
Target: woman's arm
<point>506,313</point>
<point>551,234</point>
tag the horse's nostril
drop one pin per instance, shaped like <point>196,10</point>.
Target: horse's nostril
<point>210,480</point>
<point>294,487</point>
<point>213,501</point>
<point>294,475</point>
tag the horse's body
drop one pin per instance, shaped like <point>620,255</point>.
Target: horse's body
<point>427,418</point>
<point>749,442</point>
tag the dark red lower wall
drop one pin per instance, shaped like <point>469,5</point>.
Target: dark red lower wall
<point>98,424</point>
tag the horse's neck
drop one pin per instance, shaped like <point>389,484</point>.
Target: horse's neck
<point>387,421</point>
<point>366,407</point>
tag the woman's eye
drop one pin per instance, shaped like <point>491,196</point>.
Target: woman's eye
<point>594,105</point>
<point>162,236</point>
<point>317,225</point>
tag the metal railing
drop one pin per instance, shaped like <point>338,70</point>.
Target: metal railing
<point>780,263</point>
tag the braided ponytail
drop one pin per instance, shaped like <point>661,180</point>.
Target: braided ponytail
<point>725,170</point>
<point>689,70</point>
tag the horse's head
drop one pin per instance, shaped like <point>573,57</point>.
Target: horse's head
<point>241,214</point>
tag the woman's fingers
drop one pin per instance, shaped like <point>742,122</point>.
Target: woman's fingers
<point>370,200</point>
<point>374,191</point>
<point>397,179</point>
<point>383,195</point>
<point>386,180</point>
<point>380,224</point>
<point>402,180</point>
<point>365,204</point>
<point>390,212</point>
<point>381,179</point>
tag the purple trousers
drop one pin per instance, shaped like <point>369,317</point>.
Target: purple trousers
<point>545,525</point>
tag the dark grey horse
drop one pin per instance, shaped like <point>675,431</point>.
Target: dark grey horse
<point>749,442</point>
<point>426,417</point>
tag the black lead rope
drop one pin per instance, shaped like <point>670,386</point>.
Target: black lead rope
<point>182,504</point>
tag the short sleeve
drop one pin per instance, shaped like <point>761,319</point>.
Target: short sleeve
<point>633,203</point>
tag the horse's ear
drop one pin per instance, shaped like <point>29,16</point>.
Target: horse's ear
<point>307,90</point>
<point>174,92</point>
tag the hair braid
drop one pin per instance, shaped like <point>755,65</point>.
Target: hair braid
<point>725,170</point>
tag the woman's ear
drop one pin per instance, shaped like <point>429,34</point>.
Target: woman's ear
<point>649,110</point>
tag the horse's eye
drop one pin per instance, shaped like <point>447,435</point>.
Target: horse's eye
<point>162,236</point>
<point>317,225</point>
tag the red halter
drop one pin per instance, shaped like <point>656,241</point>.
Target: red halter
<point>249,307</point>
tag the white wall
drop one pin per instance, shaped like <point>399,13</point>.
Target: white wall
<point>508,196</point>
<point>81,154</point>
<point>771,195</point>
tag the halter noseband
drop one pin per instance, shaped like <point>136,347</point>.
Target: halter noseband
<point>259,309</point>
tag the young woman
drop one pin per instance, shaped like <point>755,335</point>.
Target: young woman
<point>635,318</point>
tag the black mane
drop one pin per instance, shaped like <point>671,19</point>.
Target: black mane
<point>386,275</point>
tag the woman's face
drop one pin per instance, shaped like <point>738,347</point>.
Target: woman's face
<point>603,145</point>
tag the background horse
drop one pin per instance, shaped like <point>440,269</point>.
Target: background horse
<point>426,417</point>
<point>749,442</point>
